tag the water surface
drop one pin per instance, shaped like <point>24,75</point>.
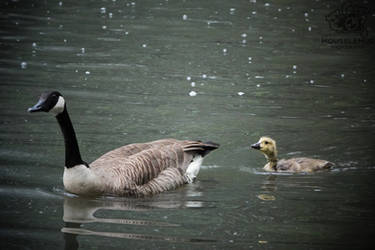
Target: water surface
<point>225,71</point>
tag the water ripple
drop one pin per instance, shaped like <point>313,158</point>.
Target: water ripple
<point>132,236</point>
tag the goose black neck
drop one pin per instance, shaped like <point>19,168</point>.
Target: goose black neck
<point>72,154</point>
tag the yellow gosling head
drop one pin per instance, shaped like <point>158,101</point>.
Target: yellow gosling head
<point>267,146</point>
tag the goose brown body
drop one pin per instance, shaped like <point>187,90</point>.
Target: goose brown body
<point>301,164</point>
<point>147,168</point>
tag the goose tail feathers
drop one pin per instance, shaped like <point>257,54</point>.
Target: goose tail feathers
<point>201,148</point>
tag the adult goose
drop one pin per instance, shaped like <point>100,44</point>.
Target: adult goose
<point>133,170</point>
<point>268,147</point>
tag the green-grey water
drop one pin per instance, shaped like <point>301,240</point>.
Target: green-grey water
<point>225,71</point>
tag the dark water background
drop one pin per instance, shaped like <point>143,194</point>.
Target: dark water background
<point>226,71</point>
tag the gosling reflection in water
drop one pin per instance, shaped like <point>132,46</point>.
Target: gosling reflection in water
<point>269,184</point>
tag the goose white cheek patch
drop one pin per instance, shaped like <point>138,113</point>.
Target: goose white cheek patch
<point>59,106</point>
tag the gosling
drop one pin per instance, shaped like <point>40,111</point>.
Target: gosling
<point>268,147</point>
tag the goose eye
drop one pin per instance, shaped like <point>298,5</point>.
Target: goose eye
<point>266,142</point>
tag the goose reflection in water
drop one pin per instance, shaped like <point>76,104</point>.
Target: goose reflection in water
<point>80,211</point>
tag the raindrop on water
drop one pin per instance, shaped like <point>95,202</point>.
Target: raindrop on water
<point>188,78</point>
<point>192,93</point>
<point>184,17</point>
<point>23,65</point>
<point>103,10</point>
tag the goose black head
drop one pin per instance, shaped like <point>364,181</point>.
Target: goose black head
<point>49,102</point>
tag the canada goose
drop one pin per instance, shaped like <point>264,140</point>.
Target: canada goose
<point>268,147</point>
<point>133,170</point>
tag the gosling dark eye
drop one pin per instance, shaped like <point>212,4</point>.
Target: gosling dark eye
<point>266,142</point>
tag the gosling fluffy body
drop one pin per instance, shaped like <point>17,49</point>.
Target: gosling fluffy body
<point>301,164</point>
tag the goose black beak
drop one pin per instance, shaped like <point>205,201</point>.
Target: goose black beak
<point>37,107</point>
<point>256,145</point>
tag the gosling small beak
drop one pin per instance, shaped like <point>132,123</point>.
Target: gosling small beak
<point>37,107</point>
<point>256,145</point>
